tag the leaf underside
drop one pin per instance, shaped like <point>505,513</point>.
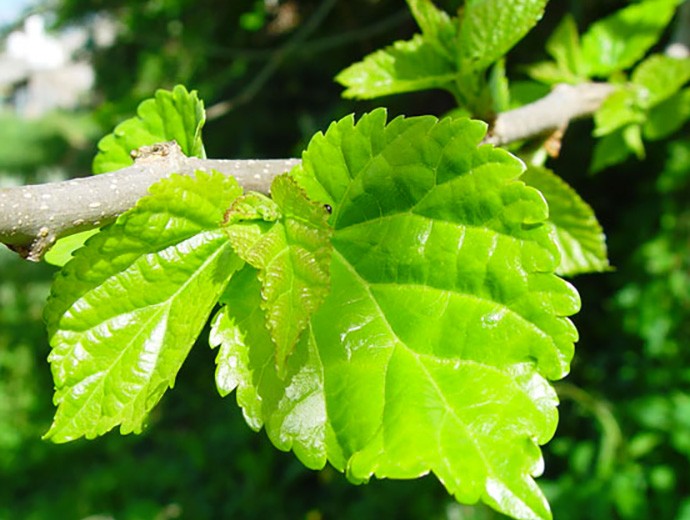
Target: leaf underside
<point>444,321</point>
<point>578,234</point>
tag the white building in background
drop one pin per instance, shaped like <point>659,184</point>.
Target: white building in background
<point>39,71</point>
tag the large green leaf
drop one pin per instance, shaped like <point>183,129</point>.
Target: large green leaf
<point>293,255</point>
<point>579,236</point>
<point>490,28</point>
<point>171,115</point>
<point>444,321</point>
<point>405,66</point>
<point>124,312</point>
<point>618,41</point>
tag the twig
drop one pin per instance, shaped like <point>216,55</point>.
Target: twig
<point>33,217</point>
<point>552,112</point>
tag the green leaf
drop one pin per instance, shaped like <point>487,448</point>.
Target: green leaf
<point>661,77</point>
<point>668,116</point>
<point>578,234</point>
<point>564,46</point>
<point>63,249</point>
<point>293,256</point>
<point>438,28</point>
<point>444,320</point>
<point>171,115</point>
<point>125,311</point>
<point>632,136</point>
<point>499,87</point>
<point>490,28</point>
<point>620,109</point>
<point>548,72</point>
<point>291,409</point>
<point>609,151</point>
<point>405,66</point>
<point>618,41</point>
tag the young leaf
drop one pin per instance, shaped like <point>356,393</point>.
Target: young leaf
<point>579,236</point>
<point>620,109</point>
<point>293,408</point>
<point>668,116</point>
<point>293,256</point>
<point>620,40</point>
<point>490,28</point>
<point>405,66</point>
<point>609,151</point>
<point>444,320</point>
<point>564,47</point>
<point>661,77</point>
<point>124,312</point>
<point>62,250</point>
<point>438,28</point>
<point>171,115</point>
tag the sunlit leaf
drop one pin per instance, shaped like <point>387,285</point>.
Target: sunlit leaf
<point>618,41</point>
<point>292,253</point>
<point>444,321</point>
<point>490,28</point>
<point>405,66</point>
<point>579,236</point>
<point>171,115</point>
<point>125,311</point>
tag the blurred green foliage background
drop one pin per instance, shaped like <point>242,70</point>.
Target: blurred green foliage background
<point>265,70</point>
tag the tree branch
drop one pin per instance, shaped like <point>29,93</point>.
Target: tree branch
<point>33,217</point>
<point>552,112</point>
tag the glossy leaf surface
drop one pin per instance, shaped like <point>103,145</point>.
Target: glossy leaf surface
<point>444,321</point>
<point>124,312</point>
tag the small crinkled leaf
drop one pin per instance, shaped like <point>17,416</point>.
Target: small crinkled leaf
<point>668,116</point>
<point>288,240</point>
<point>171,115</point>
<point>124,312</point>
<point>293,408</point>
<point>445,319</point>
<point>661,76</point>
<point>405,66</point>
<point>578,234</point>
<point>618,41</point>
<point>490,28</point>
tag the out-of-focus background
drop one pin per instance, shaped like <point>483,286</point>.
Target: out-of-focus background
<point>71,69</point>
